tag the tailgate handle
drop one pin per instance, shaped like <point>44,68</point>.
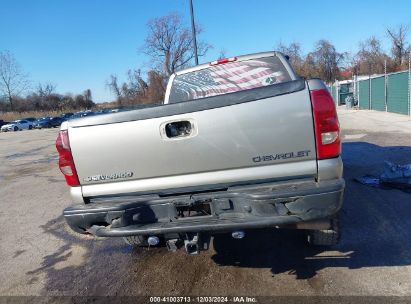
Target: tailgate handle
<point>178,129</point>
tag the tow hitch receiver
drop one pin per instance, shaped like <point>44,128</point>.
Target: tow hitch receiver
<point>193,243</point>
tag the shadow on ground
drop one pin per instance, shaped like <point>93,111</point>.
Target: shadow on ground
<point>376,225</point>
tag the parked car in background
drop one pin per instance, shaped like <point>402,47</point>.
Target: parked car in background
<point>88,113</point>
<point>82,114</point>
<point>42,123</point>
<point>56,121</point>
<point>17,125</point>
<point>30,119</point>
<point>66,116</point>
<point>48,122</point>
<point>106,111</point>
<point>2,122</point>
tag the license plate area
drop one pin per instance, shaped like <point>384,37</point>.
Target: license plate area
<point>197,209</point>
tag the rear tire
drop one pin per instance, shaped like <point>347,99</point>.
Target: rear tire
<point>15,128</point>
<point>136,240</point>
<point>30,127</point>
<point>329,237</point>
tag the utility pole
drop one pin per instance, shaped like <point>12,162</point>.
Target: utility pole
<point>409,84</point>
<point>193,28</point>
<point>385,85</point>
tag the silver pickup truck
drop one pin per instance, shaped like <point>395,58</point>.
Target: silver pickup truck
<point>239,143</point>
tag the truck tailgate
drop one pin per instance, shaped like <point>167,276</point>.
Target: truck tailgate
<point>265,139</point>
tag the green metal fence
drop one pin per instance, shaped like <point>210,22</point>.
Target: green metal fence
<point>385,93</point>
<point>397,93</point>
<point>378,93</point>
<point>364,94</point>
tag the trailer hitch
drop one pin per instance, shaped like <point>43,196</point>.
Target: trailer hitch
<point>193,243</point>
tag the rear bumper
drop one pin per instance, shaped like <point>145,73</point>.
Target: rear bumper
<point>245,207</point>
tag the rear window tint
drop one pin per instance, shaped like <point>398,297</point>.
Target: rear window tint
<point>228,78</point>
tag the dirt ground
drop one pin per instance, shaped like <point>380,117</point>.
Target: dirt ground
<point>39,255</point>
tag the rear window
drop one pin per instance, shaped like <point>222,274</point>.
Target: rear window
<point>228,78</point>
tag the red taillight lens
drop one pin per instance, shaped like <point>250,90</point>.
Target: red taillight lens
<point>66,162</point>
<point>327,128</point>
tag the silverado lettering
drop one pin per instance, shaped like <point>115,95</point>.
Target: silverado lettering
<point>99,177</point>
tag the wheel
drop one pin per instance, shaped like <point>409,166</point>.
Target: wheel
<point>15,128</point>
<point>329,237</point>
<point>136,240</point>
<point>30,127</point>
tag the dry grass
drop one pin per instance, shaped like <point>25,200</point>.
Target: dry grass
<point>10,116</point>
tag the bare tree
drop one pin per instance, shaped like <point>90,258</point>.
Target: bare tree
<point>45,90</point>
<point>169,43</point>
<point>156,87</point>
<point>88,99</point>
<point>12,80</point>
<point>370,59</point>
<point>136,87</point>
<point>87,95</point>
<point>114,87</point>
<point>45,96</point>
<point>293,51</point>
<point>133,91</point>
<point>400,48</point>
<point>309,67</point>
<point>328,60</point>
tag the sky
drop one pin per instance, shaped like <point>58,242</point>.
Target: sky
<point>78,44</point>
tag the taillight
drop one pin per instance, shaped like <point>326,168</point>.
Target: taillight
<point>66,162</point>
<point>327,128</point>
<point>224,60</point>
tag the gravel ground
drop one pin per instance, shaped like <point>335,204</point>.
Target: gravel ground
<point>39,255</point>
